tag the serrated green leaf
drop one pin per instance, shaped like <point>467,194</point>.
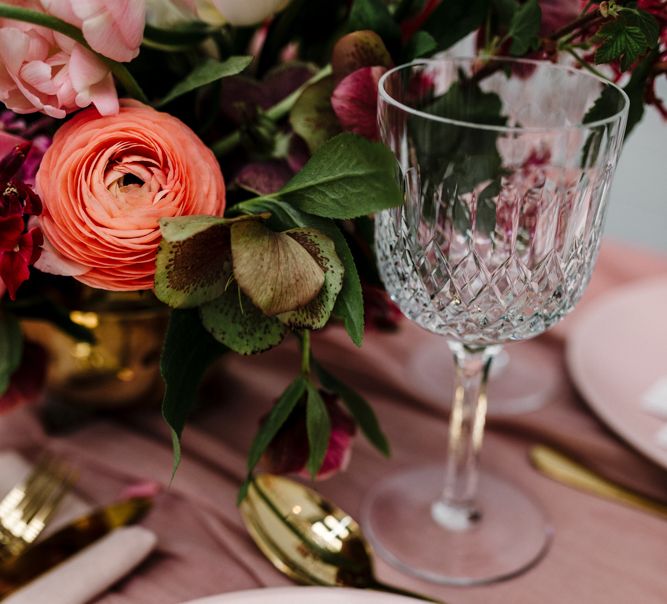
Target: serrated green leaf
<point>188,351</point>
<point>11,349</point>
<point>349,305</point>
<point>274,421</point>
<point>347,177</point>
<point>636,88</point>
<point>453,20</point>
<point>317,312</point>
<point>359,408</point>
<point>193,262</point>
<point>627,43</point>
<point>273,269</point>
<point>649,26</point>
<point>312,116</point>
<point>233,320</point>
<point>525,27</point>
<point>206,73</point>
<point>318,426</point>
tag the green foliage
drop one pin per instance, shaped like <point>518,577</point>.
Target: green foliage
<point>525,28</point>
<point>348,177</point>
<point>635,90</point>
<point>318,427</point>
<point>188,351</point>
<point>374,15</point>
<point>359,408</point>
<point>420,45</point>
<point>312,116</point>
<point>233,320</point>
<point>486,208</point>
<point>207,72</point>
<point>453,20</point>
<point>11,349</point>
<point>193,262</point>
<point>627,37</point>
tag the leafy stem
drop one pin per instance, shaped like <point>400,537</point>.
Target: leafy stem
<point>118,69</point>
<point>305,352</point>
<point>275,113</point>
<point>585,64</point>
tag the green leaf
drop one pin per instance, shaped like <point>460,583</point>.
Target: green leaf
<point>11,349</point>
<point>420,45</point>
<point>193,262</point>
<point>349,305</point>
<point>627,37</point>
<point>188,351</point>
<point>453,20</point>
<point>505,10</point>
<point>185,35</point>
<point>233,320</point>
<point>318,426</point>
<point>312,116</point>
<point>348,177</point>
<point>374,15</point>
<point>636,88</point>
<point>276,418</point>
<point>206,73</point>
<point>525,28</point>
<point>359,408</point>
<point>485,221</point>
<point>316,313</point>
<point>605,105</point>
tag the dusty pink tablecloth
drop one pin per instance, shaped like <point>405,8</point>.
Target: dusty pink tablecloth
<point>602,552</point>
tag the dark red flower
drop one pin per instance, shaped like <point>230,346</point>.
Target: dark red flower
<point>288,451</point>
<point>354,101</point>
<point>380,311</point>
<point>20,246</point>
<point>28,381</point>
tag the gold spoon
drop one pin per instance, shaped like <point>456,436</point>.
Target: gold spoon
<point>308,538</point>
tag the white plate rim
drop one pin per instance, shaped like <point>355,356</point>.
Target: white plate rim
<point>573,347</point>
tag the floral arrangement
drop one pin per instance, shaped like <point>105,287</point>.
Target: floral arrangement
<point>223,155</point>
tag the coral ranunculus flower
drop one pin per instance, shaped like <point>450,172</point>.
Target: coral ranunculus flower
<point>105,183</point>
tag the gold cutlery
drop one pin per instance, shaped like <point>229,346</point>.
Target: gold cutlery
<point>567,471</point>
<point>308,538</point>
<point>26,509</point>
<point>69,540</point>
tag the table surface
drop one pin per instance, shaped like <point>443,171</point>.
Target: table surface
<point>602,552</point>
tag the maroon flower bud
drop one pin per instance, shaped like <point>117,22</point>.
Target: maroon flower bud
<point>354,101</point>
<point>288,451</point>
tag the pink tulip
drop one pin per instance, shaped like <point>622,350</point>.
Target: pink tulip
<point>354,101</point>
<point>41,70</point>
<point>114,29</point>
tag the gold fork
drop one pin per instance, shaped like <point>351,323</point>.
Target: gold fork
<point>26,509</point>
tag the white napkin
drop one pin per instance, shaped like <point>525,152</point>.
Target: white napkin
<point>90,572</point>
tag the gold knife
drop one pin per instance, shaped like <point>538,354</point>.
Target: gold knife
<point>70,540</point>
<point>569,472</point>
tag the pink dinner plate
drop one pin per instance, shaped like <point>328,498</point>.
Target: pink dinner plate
<point>616,351</point>
<point>305,595</point>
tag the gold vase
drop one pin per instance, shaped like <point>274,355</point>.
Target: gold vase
<point>122,367</point>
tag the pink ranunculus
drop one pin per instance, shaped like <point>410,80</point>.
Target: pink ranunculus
<point>41,70</point>
<point>354,101</point>
<point>105,182</point>
<point>288,451</point>
<point>114,29</point>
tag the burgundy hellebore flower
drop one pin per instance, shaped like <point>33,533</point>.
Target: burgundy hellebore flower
<point>288,451</point>
<point>20,246</point>
<point>354,101</point>
<point>380,311</point>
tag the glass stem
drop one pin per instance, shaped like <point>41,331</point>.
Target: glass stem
<point>456,509</point>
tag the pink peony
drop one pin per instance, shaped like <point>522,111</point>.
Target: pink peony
<point>41,70</point>
<point>105,182</point>
<point>114,29</point>
<point>354,101</point>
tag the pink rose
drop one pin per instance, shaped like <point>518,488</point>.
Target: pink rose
<point>114,28</point>
<point>41,70</point>
<point>105,182</point>
<point>354,101</point>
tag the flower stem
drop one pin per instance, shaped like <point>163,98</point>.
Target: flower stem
<point>275,113</point>
<point>31,16</point>
<point>585,64</point>
<point>305,352</point>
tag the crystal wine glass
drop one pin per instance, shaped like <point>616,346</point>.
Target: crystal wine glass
<point>506,167</point>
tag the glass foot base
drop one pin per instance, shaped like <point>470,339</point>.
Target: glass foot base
<point>508,536</point>
<point>523,378</point>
